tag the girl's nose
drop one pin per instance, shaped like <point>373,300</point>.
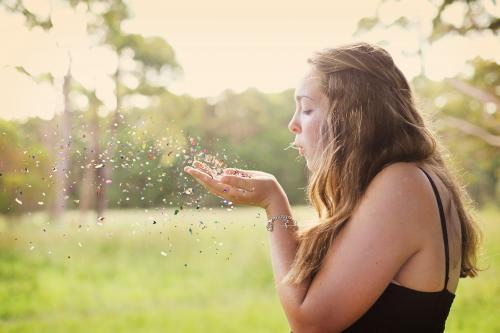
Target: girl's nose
<point>293,126</point>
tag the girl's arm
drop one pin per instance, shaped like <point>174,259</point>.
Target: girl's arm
<point>283,246</point>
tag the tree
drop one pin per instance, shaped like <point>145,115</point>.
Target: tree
<point>466,105</point>
<point>152,56</point>
<point>477,19</point>
<point>62,149</point>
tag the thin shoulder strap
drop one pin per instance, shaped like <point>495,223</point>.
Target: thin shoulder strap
<point>443,225</point>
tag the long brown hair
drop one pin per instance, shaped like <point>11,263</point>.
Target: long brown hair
<point>372,122</point>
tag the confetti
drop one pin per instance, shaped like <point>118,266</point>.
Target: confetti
<point>163,253</point>
<point>19,201</point>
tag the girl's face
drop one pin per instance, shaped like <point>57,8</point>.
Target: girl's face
<point>311,106</point>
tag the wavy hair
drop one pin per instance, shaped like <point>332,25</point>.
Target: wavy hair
<point>372,122</point>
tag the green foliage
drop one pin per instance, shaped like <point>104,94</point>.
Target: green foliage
<point>477,18</point>
<point>248,130</point>
<point>152,145</point>
<point>32,20</point>
<point>476,160</point>
<point>153,51</point>
<point>23,166</point>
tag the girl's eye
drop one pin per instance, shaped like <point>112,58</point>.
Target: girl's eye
<point>307,112</point>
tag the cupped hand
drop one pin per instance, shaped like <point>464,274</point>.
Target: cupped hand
<point>246,187</point>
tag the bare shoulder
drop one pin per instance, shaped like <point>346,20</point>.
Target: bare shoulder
<point>403,175</point>
<point>400,197</point>
<point>400,184</point>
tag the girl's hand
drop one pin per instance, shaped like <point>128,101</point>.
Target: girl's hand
<point>246,187</point>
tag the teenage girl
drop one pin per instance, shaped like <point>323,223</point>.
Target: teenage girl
<point>393,235</point>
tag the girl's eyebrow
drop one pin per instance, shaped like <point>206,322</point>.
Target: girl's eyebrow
<point>303,96</point>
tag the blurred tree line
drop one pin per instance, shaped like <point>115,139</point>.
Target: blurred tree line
<point>133,156</point>
<point>152,145</point>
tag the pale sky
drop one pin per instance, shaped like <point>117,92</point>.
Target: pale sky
<point>220,44</point>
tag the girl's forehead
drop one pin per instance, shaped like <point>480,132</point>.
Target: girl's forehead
<point>308,87</point>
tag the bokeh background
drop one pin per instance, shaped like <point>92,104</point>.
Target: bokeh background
<point>103,102</point>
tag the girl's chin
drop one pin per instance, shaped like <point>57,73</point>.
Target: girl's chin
<point>308,165</point>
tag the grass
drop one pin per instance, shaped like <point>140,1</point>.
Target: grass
<point>133,275</point>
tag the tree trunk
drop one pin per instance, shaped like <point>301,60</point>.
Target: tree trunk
<point>105,173</point>
<point>88,183</point>
<point>62,154</point>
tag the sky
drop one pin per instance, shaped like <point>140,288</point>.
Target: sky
<point>220,44</point>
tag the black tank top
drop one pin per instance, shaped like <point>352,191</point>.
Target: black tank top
<point>400,309</point>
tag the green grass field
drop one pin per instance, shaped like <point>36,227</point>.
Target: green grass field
<point>131,274</point>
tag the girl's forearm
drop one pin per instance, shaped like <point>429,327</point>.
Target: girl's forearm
<point>283,245</point>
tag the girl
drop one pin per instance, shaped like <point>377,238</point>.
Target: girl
<point>394,235</point>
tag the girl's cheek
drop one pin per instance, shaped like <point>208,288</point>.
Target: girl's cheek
<point>314,129</point>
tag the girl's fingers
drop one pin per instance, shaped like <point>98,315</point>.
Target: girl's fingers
<point>199,174</point>
<point>237,172</point>
<point>224,191</point>
<point>236,181</point>
<point>229,171</point>
<point>199,165</point>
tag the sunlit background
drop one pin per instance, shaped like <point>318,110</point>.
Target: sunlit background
<point>103,102</point>
<point>224,44</point>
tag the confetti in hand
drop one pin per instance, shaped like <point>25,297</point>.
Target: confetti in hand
<point>212,172</point>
